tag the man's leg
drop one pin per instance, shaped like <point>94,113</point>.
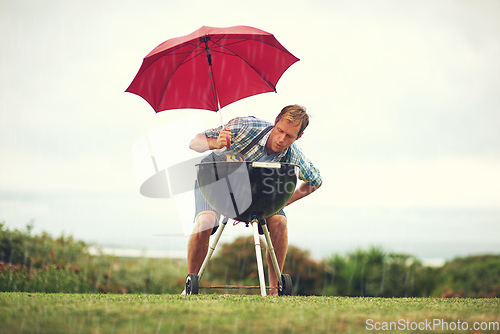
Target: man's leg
<point>277,225</point>
<point>199,240</point>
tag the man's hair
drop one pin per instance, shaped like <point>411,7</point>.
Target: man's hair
<point>295,114</point>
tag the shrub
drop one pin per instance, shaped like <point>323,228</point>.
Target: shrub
<point>21,247</point>
<point>375,273</point>
<point>473,276</point>
<point>40,263</point>
<point>235,263</point>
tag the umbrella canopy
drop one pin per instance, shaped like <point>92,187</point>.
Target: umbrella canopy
<point>211,68</point>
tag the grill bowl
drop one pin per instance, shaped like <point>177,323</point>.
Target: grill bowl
<point>246,191</point>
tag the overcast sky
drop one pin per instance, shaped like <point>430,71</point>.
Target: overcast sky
<point>403,96</point>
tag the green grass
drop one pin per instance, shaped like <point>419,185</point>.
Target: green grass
<point>219,313</point>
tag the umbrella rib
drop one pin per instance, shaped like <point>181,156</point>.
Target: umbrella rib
<point>258,73</point>
<point>169,79</point>
<point>188,53</point>
<point>243,40</point>
<point>184,61</point>
<point>242,59</point>
<point>157,107</point>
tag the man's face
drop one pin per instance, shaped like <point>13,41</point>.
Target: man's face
<point>282,136</point>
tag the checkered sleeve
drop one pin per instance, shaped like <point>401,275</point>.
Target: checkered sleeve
<point>235,126</point>
<point>308,172</point>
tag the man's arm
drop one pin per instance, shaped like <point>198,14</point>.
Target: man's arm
<point>302,191</point>
<point>201,143</point>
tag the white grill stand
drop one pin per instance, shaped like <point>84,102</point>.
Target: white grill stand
<point>273,255</point>
<point>212,247</point>
<point>258,255</point>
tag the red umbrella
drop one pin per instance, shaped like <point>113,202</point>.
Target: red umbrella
<point>211,68</point>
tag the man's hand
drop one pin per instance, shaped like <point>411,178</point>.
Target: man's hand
<point>201,143</point>
<point>224,139</point>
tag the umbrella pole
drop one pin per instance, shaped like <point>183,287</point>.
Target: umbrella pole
<point>221,120</point>
<point>205,40</point>
<point>228,141</point>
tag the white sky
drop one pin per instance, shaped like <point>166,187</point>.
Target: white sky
<point>403,96</point>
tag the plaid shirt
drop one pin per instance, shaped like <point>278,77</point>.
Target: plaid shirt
<point>244,129</point>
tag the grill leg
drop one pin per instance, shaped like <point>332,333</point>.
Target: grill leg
<point>258,254</point>
<point>212,247</point>
<point>273,255</point>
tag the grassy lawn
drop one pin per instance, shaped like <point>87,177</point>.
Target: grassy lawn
<point>219,313</point>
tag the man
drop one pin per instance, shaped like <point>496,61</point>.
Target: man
<point>276,145</point>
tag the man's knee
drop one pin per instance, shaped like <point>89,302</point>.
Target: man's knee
<point>205,221</point>
<point>277,223</point>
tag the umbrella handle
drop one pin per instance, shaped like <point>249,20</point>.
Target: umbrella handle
<point>228,141</point>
